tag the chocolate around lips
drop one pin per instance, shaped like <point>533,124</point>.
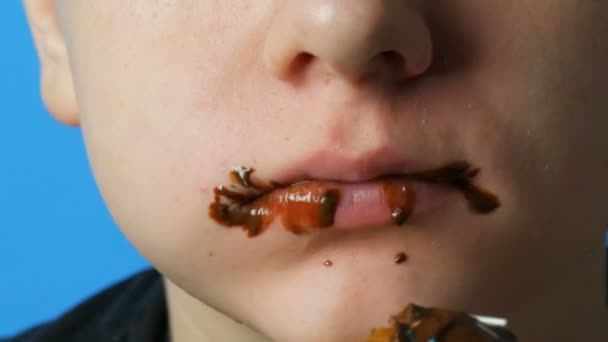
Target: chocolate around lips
<point>312,204</point>
<point>309,205</point>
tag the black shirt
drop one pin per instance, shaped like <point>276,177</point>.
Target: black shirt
<point>131,311</point>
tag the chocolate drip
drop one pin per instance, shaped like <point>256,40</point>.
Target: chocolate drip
<point>400,258</point>
<point>327,207</point>
<point>399,216</point>
<point>398,198</point>
<point>312,204</point>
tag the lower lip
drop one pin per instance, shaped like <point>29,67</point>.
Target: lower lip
<point>363,205</point>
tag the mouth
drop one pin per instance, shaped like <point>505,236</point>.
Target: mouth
<point>314,204</point>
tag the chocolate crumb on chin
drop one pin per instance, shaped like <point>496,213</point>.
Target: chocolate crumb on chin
<point>418,324</point>
<point>400,258</point>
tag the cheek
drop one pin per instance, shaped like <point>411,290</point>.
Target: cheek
<point>164,120</point>
<point>155,154</point>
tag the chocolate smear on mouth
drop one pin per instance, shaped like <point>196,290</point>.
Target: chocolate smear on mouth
<point>309,205</point>
<point>301,206</point>
<point>327,207</point>
<point>459,175</point>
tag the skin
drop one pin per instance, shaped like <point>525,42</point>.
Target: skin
<point>170,94</point>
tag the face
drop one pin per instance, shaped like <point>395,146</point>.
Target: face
<point>172,94</point>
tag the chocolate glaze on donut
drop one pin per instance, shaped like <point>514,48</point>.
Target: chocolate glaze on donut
<point>311,205</point>
<point>419,324</point>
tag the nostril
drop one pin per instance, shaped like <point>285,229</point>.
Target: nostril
<point>348,40</point>
<point>391,58</point>
<point>388,63</point>
<point>301,62</point>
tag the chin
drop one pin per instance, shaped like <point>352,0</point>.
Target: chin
<point>342,302</point>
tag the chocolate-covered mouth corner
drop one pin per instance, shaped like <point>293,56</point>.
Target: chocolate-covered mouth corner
<point>312,204</point>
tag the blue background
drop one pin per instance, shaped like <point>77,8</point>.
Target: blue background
<point>58,244</point>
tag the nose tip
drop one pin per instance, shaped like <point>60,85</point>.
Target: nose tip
<point>349,38</point>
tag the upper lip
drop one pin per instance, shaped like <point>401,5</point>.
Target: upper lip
<point>326,165</point>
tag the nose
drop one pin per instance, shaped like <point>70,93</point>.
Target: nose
<point>351,39</point>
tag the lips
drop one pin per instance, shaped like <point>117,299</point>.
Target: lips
<point>368,204</point>
<point>364,184</point>
<point>328,191</point>
<point>364,167</point>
